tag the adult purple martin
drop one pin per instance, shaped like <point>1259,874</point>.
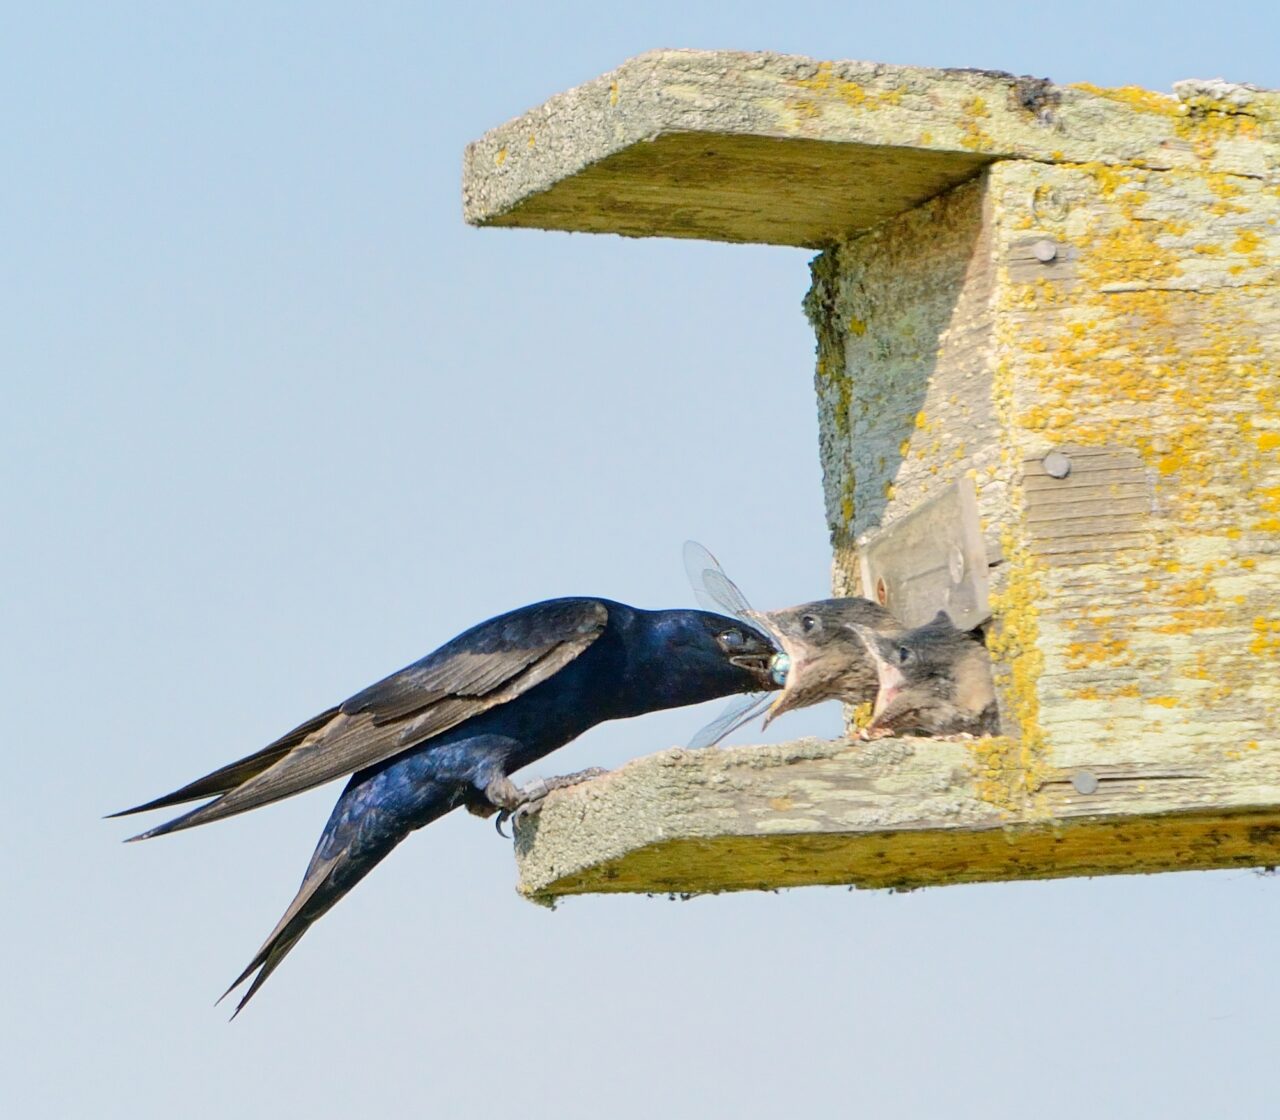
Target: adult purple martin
<point>448,730</point>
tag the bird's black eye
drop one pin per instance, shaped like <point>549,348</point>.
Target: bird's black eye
<point>732,639</point>
<point>809,623</point>
<point>904,655</point>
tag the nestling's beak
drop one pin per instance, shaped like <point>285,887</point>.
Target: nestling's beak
<point>892,680</point>
<point>891,683</point>
<point>786,699</point>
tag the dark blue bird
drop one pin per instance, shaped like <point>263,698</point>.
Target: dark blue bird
<point>448,730</point>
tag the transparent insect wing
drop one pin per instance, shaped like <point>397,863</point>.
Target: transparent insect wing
<point>741,709</point>
<point>714,590</point>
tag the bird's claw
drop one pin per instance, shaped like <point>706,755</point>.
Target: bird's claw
<point>531,798</point>
<point>535,793</point>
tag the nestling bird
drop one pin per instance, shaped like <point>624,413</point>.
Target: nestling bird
<point>448,730</point>
<point>826,659</point>
<point>934,680</point>
<point>822,657</point>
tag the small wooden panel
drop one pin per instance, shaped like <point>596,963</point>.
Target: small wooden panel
<point>1103,506</point>
<point>932,559</point>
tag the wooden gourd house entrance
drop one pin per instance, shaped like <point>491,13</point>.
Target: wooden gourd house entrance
<point>1061,304</point>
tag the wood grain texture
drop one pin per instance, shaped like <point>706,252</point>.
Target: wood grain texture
<point>788,150</point>
<point>896,813</point>
<point>1137,604</point>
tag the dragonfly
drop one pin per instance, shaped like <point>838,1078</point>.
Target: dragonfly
<point>716,592</point>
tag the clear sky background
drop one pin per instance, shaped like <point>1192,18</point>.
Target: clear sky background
<point>276,422</point>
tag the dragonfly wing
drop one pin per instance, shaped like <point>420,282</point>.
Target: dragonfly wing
<point>714,590</point>
<point>741,709</point>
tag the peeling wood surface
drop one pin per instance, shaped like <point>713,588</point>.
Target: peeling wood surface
<point>904,318</point>
<point>895,813</point>
<point>787,150</point>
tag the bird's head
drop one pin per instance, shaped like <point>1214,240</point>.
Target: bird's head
<point>927,662</point>
<point>826,658</point>
<point>726,653</point>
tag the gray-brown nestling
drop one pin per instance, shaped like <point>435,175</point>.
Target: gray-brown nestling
<point>826,657</point>
<point>931,680</point>
<point>934,680</point>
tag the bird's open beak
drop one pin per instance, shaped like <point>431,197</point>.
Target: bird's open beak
<point>891,677</point>
<point>775,709</point>
<point>757,658</point>
<point>789,697</point>
<point>891,683</point>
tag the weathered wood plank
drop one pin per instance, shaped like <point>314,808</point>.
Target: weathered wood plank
<point>896,813</point>
<point>791,151</point>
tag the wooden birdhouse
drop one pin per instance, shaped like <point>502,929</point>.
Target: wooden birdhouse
<point>1048,377</point>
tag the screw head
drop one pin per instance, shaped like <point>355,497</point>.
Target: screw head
<point>882,592</point>
<point>1044,251</point>
<point>1085,782</point>
<point>1056,464</point>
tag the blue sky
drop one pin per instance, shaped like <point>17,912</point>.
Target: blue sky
<point>276,422</point>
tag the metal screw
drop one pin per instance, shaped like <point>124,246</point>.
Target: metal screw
<point>1044,251</point>
<point>1056,465</point>
<point>882,592</point>
<point>1085,782</point>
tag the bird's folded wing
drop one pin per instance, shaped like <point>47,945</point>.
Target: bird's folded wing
<point>488,665</point>
<point>235,773</point>
<point>486,659</point>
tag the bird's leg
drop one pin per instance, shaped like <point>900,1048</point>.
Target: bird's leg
<point>498,793</point>
<point>516,803</point>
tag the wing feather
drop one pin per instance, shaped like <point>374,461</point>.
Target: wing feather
<point>485,656</point>
<point>489,665</point>
<point>235,773</point>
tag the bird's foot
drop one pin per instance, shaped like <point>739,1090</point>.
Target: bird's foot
<point>869,733</point>
<point>529,799</point>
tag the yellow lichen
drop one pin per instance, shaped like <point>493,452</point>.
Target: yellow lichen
<point>826,84</point>
<point>1135,97</point>
<point>973,135</point>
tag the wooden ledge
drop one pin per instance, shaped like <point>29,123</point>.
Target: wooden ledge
<point>895,813</point>
<point>785,150</point>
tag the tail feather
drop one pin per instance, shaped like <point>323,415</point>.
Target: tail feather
<point>234,774</point>
<point>324,885</point>
<point>371,817</point>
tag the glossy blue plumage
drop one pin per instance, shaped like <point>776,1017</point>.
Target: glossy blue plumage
<point>495,699</point>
